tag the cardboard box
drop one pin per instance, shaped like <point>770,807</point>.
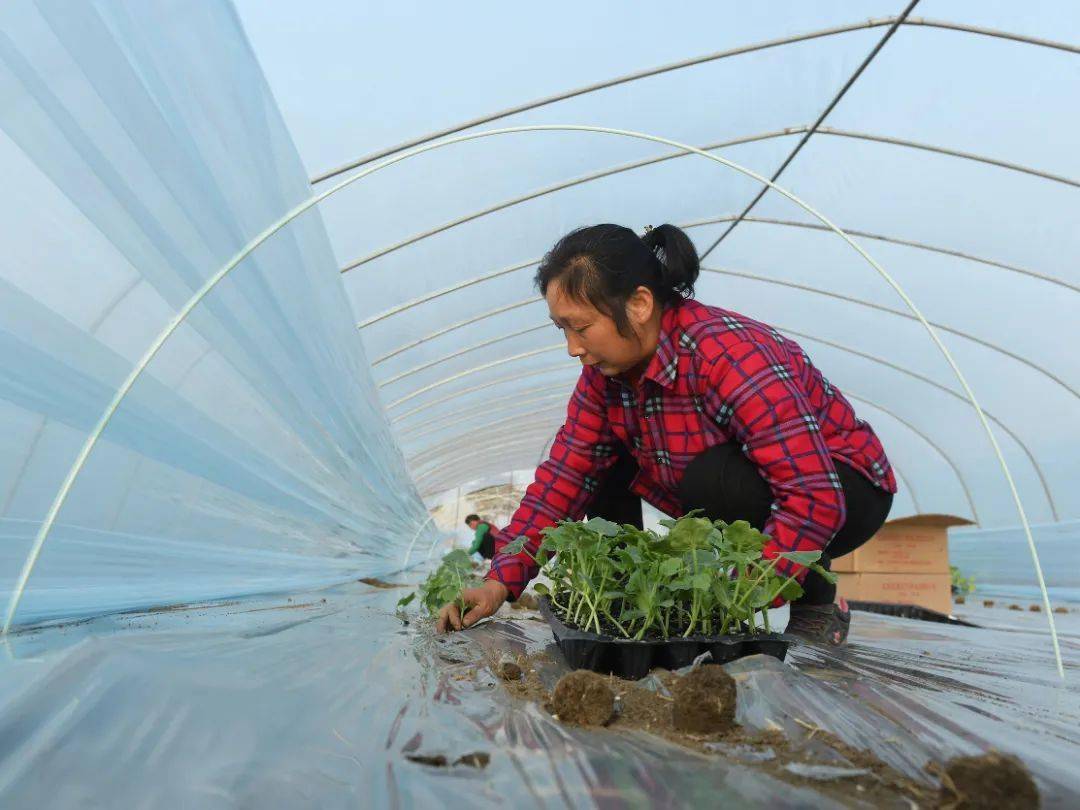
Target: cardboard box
<point>847,585</point>
<point>931,591</point>
<point>912,545</point>
<point>845,564</point>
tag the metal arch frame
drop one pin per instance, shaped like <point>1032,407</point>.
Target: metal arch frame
<point>854,77</point>
<point>881,308</point>
<point>439,293</point>
<point>763,279</point>
<point>493,427</point>
<point>555,404</point>
<point>895,240</point>
<point>523,437</point>
<point>531,373</point>
<point>450,455</point>
<point>695,224</point>
<point>713,57</point>
<point>211,282</point>
<point>447,329</point>
<point>435,425</point>
<point>489,408</point>
<point>476,347</point>
<point>637,164</point>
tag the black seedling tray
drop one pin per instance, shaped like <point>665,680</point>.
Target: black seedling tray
<point>633,659</point>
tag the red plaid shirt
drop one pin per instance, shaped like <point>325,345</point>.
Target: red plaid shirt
<point>717,376</point>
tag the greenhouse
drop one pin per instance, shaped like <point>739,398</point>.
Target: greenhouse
<point>274,327</point>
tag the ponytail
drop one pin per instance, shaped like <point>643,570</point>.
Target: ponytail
<point>678,260</point>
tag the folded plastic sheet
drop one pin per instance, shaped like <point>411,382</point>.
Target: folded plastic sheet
<point>306,702</point>
<point>142,150</point>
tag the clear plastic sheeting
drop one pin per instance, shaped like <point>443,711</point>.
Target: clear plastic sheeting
<point>319,699</point>
<point>951,158</point>
<point>142,150</point>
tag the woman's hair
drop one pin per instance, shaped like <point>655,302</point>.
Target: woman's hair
<point>604,264</point>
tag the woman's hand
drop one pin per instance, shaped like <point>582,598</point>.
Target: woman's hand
<point>479,602</point>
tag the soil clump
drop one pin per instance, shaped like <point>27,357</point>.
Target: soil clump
<point>988,602</point>
<point>584,698</point>
<point>990,780</point>
<point>1061,610</point>
<point>1035,609</point>
<point>704,701</point>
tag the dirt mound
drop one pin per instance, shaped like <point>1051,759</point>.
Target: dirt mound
<point>704,701</point>
<point>584,698</point>
<point>991,780</point>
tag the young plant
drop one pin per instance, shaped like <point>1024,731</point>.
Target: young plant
<point>960,583</point>
<point>701,577</point>
<point>445,583</point>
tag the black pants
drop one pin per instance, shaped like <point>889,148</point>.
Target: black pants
<point>727,486</point>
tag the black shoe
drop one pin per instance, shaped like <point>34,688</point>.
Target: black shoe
<point>820,624</point>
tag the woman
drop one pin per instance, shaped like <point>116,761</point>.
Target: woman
<point>690,407</point>
<point>483,539</point>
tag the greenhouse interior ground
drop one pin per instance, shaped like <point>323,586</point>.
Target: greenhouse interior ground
<point>269,333</point>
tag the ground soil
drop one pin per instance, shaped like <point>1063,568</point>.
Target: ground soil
<point>1015,607</point>
<point>991,780</point>
<point>638,708</point>
<point>508,668</point>
<point>988,602</point>
<point>378,583</point>
<point>1061,610</point>
<point>1035,608</point>
<point>477,759</point>
<point>704,701</point>
<point>583,698</point>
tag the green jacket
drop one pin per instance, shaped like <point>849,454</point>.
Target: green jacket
<point>482,528</point>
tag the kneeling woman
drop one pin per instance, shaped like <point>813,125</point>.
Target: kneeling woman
<point>690,406</point>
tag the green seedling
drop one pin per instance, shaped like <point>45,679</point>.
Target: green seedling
<point>700,577</point>
<point>445,583</point>
<point>960,583</point>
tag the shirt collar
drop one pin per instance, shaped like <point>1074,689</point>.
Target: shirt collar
<point>664,366</point>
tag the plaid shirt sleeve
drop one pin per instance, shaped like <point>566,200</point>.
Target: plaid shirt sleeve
<point>564,484</point>
<point>754,396</point>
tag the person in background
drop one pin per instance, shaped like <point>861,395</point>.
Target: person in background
<point>484,540</point>
<point>690,406</point>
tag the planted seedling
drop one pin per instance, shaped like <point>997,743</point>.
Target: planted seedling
<point>445,584</point>
<point>701,577</point>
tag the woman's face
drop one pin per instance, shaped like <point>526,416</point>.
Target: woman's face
<point>592,337</point>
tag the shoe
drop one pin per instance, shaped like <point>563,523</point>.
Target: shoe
<point>821,624</point>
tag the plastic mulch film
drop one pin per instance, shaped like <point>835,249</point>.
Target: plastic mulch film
<point>327,699</point>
